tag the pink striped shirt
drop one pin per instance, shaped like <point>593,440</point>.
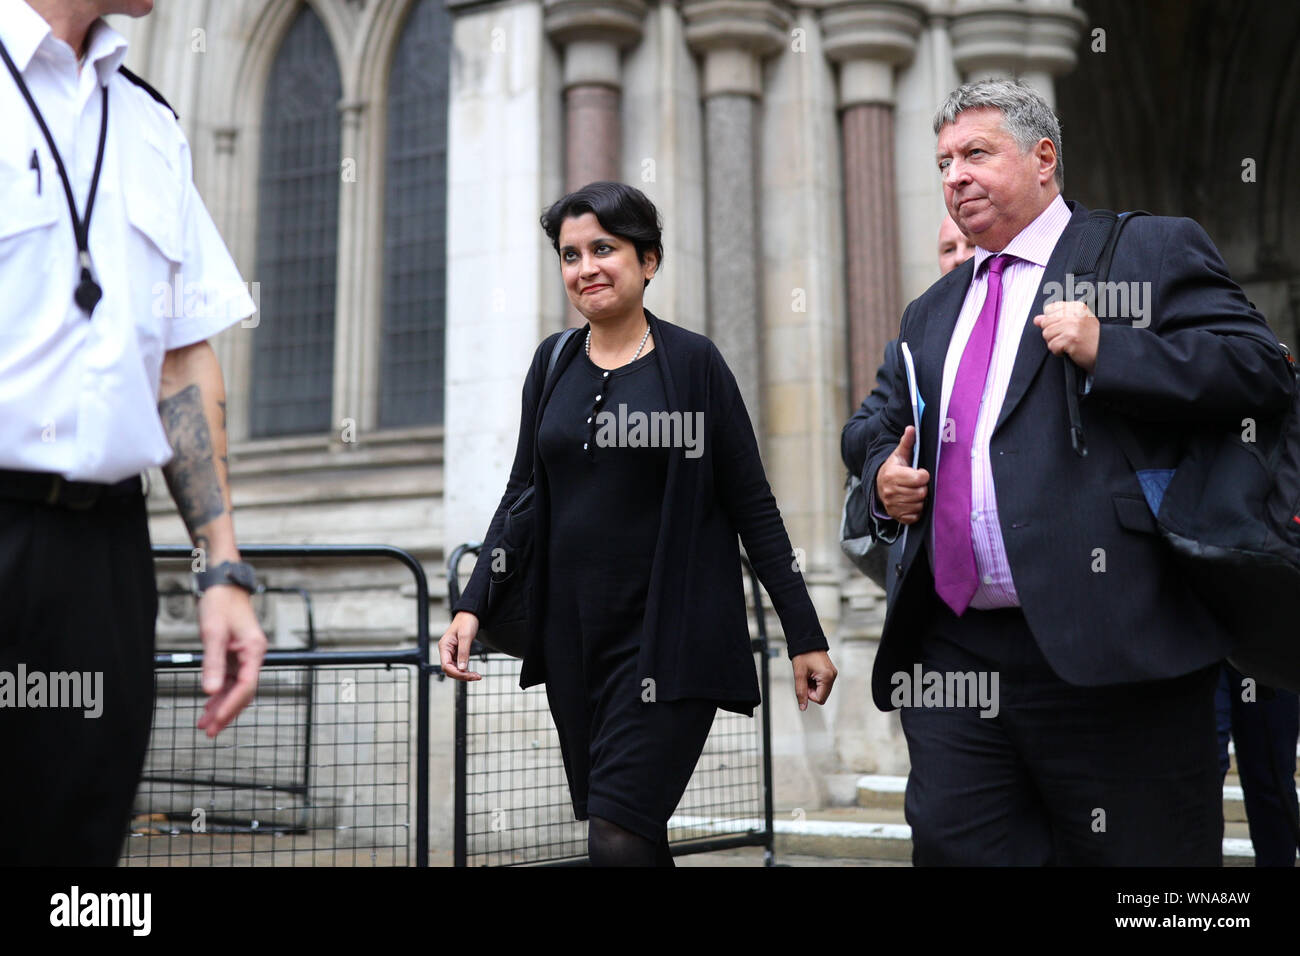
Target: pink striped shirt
<point>1020,282</point>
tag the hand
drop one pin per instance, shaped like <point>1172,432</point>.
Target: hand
<point>813,669</point>
<point>233,648</point>
<point>901,488</point>
<point>454,646</point>
<point>1070,328</point>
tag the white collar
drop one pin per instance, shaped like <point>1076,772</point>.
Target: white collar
<point>24,32</point>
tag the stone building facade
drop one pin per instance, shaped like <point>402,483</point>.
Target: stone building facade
<point>378,168</point>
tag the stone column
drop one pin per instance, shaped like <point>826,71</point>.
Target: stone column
<point>234,347</point>
<point>353,345</point>
<point>503,286</point>
<point>1015,39</point>
<point>870,39</point>
<point>591,34</point>
<point>733,37</point>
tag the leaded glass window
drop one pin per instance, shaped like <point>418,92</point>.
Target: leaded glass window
<point>415,214</point>
<point>297,236</point>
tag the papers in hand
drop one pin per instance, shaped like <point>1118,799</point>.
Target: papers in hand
<point>918,403</point>
<point>918,409</point>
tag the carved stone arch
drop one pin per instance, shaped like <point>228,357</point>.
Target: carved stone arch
<point>380,31</point>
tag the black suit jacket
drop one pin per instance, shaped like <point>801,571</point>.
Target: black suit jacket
<point>860,430</point>
<point>695,637</point>
<point>1207,356</point>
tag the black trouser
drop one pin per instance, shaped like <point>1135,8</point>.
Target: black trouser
<point>1124,775</point>
<point>1265,729</point>
<point>77,594</point>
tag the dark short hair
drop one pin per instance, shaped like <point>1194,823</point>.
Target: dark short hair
<point>622,209</point>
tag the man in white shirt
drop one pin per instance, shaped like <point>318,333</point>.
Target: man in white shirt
<point>104,373</point>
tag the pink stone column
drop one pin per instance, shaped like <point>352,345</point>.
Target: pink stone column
<point>871,240</point>
<point>592,135</point>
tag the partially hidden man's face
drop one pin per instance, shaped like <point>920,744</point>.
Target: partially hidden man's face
<point>991,188</point>
<point>602,274</point>
<point>954,247</point>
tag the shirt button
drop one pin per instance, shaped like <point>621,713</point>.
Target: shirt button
<point>974,516</point>
<point>605,375</point>
<point>988,579</point>
<point>584,446</point>
<point>597,398</point>
<point>588,419</point>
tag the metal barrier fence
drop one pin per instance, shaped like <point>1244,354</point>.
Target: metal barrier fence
<point>512,803</point>
<point>317,771</point>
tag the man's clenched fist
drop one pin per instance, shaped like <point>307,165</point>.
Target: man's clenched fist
<point>900,488</point>
<point>1070,328</point>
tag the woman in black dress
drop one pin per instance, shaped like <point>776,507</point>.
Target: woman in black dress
<point>646,471</point>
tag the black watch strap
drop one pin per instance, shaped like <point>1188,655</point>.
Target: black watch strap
<point>238,573</point>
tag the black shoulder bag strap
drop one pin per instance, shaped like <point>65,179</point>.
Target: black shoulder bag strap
<point>556,349</point>
<point>555,357</point>
<point>1092,263</point>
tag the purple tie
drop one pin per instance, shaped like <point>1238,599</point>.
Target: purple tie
<point>955,577</point>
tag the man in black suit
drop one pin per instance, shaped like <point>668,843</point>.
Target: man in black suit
<point>1035,573</point>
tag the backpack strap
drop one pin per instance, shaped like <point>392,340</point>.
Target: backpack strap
<point>147,88</point>
<point>1092,259</point>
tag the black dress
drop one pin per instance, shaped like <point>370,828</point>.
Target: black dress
<point>628,757</point>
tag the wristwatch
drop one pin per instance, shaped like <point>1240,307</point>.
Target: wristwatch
<point>237,573</point>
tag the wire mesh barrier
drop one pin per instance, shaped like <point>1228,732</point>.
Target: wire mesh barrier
<point>327,766</point>
<point>512,797</point>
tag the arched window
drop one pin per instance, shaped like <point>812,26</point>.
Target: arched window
<point>297,236</point>
<point>415,230</point>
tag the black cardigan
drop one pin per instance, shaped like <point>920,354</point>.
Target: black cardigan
<point>695,641</point>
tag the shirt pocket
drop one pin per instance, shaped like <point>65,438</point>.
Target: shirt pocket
<point>154,199</point>
<point>22,209</point>
<point>153,208</point>
<point>28,242</point>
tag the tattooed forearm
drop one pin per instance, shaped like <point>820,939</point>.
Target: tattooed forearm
<point>192,473</point>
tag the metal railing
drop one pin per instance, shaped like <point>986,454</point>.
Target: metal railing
<point>316,771</point>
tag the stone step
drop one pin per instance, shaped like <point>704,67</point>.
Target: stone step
<point>881,835</point>
<point>876,791</point>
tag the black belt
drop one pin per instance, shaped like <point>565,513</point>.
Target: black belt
<point>55,490</point>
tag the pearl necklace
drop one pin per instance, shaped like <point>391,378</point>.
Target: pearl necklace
<point>587,345</point>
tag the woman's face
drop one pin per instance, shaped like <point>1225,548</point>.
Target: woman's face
<point>602,275</point>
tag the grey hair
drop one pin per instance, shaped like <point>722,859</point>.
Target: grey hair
<point>1025,114</point>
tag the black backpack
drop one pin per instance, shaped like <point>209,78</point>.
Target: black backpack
<point>1229,510</point>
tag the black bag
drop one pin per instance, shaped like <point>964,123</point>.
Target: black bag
<point>1229,510</point>
<point>857,539</point>
<point>505,626</point>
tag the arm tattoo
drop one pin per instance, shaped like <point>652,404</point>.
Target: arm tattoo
<point>192,472</point>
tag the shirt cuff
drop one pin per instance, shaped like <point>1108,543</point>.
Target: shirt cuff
<point>886,528</point>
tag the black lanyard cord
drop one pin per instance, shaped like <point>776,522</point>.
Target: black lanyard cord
<point>88,291</point>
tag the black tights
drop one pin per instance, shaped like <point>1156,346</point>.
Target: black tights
<point>608,844</point>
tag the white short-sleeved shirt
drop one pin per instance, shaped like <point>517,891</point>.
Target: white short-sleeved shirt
<point>79,396</point>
